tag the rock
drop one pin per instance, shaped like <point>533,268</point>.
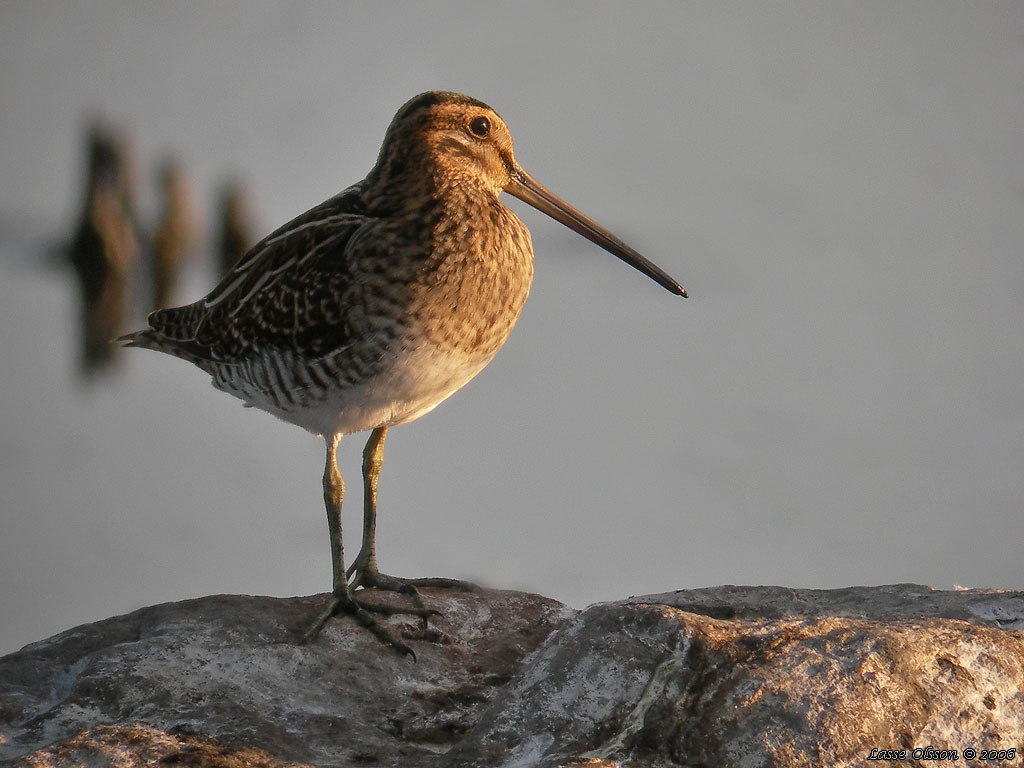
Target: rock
<point>223,681</point>
<point>747,676</point>
<point>729,676</point>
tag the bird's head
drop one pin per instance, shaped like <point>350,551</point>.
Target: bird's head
<point>461,144</point>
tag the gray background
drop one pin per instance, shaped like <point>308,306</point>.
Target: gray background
<point>840,402</point>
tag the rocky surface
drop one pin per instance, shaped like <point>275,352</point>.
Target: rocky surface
<point>739,676</point>
<point>223,681</point>
<point>729,676</point>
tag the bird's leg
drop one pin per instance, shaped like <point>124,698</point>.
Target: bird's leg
<point>341,597</point>
<point>334,495</point>
<point>373,457</point>
<point>364,570</point>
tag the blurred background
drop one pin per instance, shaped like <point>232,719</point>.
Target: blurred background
<point>841,401</point>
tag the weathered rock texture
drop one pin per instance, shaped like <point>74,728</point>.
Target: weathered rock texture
<point>731,676</point>
<point>192,683</point>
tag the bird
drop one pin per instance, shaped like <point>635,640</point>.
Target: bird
<point>105,247</point>
<point>177,233</point>
<point>233,239</point>
<point>370,309</point>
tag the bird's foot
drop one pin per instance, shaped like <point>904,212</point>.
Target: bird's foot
<point>363,612</point>
<point>371,578</point>
<point>442,583</point>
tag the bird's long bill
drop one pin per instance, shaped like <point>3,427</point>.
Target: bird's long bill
<point>530,191</point>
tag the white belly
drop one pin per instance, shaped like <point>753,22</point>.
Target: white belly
<point>413,385</point>
<point>406,388</point>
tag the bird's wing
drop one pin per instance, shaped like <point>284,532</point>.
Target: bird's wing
<point>286,292</point>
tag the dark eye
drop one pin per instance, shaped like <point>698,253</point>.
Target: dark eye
<point>480,127</point>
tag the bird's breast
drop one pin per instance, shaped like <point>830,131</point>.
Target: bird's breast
<point>480,279</point>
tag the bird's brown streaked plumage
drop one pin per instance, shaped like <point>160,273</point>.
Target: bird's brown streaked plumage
<point>373,307</point>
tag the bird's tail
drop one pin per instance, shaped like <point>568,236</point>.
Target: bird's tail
<point>152,339</point>
<point>146,339</point>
